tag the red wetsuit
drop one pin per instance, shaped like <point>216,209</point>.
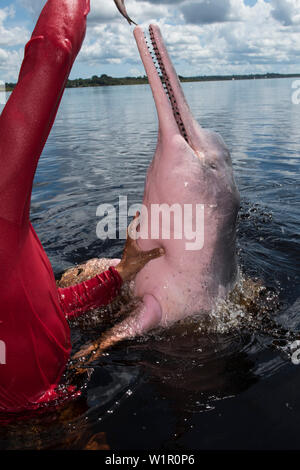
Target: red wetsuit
<point>33,326</point>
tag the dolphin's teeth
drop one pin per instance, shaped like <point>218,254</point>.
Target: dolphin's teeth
<point>159,65</point>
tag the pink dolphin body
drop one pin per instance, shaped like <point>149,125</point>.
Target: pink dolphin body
<point>191,169</point>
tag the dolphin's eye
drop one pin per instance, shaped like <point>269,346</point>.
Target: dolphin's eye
<point>213,166</point>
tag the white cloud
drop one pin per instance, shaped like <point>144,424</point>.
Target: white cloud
<point>13,36</point>
<point>206,11</point>
<point>10,39</point>
<point>287,12</point>
<point>10,62</point>
<point>202,38</point>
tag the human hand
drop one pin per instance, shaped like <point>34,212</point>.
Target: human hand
<point>134,259</point>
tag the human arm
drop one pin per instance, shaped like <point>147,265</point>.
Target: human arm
<point>96,292</point>
<point>28,116</point>
<point>103,288</point>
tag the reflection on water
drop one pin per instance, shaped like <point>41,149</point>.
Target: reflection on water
<point>183,388</point>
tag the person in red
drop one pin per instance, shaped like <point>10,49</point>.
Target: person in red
<point>33,312</point>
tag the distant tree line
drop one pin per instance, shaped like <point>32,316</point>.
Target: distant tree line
<point>106,80</point>
<point>214,78</point>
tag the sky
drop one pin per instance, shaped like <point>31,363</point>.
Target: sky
<point>204,37</point>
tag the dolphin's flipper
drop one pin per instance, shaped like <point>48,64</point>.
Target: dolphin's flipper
<point>146,317</point>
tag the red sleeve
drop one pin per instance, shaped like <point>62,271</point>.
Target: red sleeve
<point>29,114</point>
<point>97,292</point>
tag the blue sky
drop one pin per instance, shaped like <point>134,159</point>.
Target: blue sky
<point>204,37</point>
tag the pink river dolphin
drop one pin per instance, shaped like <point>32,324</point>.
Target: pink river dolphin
<point>191,168</point>
<point>190,176</point>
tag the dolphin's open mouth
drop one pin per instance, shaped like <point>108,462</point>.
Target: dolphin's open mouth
<point>167,83</point>
<point>170,101</point>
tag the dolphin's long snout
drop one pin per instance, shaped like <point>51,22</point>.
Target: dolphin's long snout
<point>122,9</point>
<point>166,119</point>
<point>173,111</point>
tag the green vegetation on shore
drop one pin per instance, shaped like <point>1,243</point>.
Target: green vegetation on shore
<point>106,80</point>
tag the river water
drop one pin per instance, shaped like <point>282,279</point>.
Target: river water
<point>181,389</point>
